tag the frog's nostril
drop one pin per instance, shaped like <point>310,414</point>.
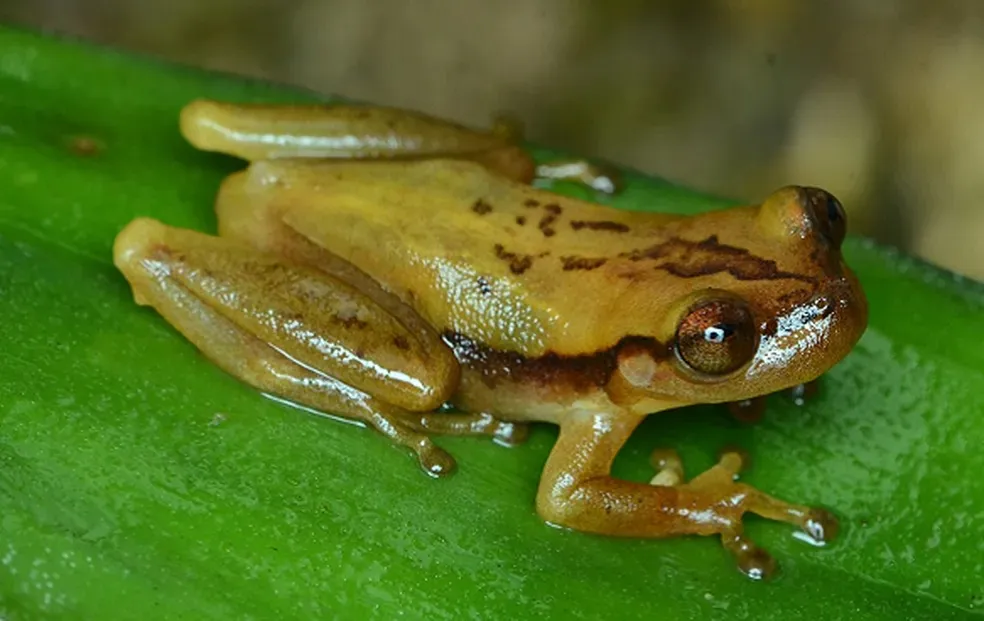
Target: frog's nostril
<point>825,306</point>
<point>837,293</point>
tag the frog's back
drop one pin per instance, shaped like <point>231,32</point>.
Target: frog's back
<point>507,265</point>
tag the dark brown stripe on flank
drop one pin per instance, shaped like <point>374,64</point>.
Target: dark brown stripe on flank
<point>581,373</point>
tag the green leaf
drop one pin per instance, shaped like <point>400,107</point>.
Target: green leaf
<point>138,481</point>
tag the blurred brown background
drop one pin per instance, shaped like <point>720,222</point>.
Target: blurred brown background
<point>880,101</point>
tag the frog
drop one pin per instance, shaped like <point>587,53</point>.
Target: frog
<point>413,275</point>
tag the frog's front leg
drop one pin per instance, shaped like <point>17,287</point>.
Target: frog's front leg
<point>578,491</point>
<point>267,131</point>
<point>295,332</point>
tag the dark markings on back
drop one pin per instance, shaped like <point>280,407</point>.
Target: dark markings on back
<point>546,222</point>
<point>581,373</point>
<point>518,263</point>
<point>350,322</point>
<point>481,207</point>
<point>520,220</point>
<point>688,259</point>
<point>600,225</point>
<point>401,342</point>
<point>581,263</point>
<point>531,203</point>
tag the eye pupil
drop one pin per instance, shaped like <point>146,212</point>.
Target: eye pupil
<point>718,333</point>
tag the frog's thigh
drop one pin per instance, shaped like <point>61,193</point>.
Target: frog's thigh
<point>578,491</point>
<point>144,253</point>
<point>248,211</point>
<point>311,316</point>
<point>256,219</point>
<point>260,366</point>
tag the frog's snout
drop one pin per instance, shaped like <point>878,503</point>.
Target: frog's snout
<point>811,336</point>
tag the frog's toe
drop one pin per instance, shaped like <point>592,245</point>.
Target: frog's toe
<point>434,460</point>
<point>820,525</point>
<point>396,425</point>
<point>669,469</point>
<point>753,561</point>
<point>801,393</point>
<point>668,466</point>
<point>734,460</point>
<point>511,434</point>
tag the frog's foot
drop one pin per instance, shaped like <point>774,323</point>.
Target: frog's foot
<point>503,432</point>
<point>433,460</point>
<point>602,178</point>
<point>596,176</point>
<point>578,491</point>
<point>752,560</point>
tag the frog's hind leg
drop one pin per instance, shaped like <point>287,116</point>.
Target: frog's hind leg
<point>271,131</point>
<point>167,271</point>
<point>264,131</point>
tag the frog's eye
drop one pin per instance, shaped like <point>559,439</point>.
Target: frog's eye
<point>716,337</point>
<point>829,215</point>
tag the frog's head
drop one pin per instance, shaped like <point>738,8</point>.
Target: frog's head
<point>762,302</point>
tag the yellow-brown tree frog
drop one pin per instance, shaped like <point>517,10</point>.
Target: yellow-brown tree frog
<point>381,265</point>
